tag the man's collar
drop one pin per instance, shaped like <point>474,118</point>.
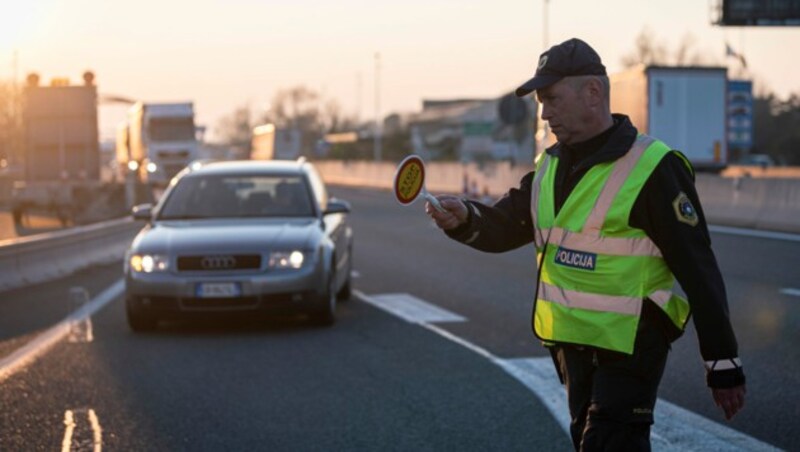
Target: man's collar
<point>617,145</point>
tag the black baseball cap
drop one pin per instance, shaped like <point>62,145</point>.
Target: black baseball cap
<point>571,57</point>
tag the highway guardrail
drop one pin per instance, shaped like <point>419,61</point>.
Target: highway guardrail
<point>43,257</point>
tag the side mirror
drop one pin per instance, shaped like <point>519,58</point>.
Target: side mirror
<point>142,212</point>
<point>337,206</point>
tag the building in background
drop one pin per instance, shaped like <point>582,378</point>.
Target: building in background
<point>474,130</point>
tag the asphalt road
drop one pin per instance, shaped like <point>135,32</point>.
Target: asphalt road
<point>373,381</point>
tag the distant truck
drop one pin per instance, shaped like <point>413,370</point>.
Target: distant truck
<point>157,141</point>
<point>271,143</point>
<point>683,106</point>
<point>61,157</point>
<point>262,144</point>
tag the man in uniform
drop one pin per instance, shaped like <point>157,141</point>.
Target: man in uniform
<point>616,219</point>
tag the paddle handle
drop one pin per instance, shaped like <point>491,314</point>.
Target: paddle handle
<point>434,202</point>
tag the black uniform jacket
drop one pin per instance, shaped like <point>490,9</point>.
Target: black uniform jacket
<point>686,248</point>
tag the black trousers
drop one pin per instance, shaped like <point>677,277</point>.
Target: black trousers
<point>611,396</point>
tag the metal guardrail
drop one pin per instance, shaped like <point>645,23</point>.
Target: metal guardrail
<point>43,257</point>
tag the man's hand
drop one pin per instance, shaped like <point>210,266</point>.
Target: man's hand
<point>456,212</point>
<point>731,400</point>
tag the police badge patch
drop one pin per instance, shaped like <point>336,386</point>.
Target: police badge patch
<point>684,210</point>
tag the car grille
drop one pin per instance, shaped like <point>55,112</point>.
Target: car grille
<point>219,262</point>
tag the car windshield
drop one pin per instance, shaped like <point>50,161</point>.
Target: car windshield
<point>237,197</point>
<point>172,129</point>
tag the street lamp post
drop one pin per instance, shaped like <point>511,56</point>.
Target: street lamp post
<point>377,131</point>
<point>542,131</point>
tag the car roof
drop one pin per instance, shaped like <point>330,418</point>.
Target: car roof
<point>265,167</point>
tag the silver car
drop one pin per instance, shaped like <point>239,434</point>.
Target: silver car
<point>252,236</point>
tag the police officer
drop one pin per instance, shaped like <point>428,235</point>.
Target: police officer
<point>615,219</point>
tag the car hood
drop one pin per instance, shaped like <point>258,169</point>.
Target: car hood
<point>246,236</point>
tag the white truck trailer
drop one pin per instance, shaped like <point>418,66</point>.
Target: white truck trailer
<point>158,141</point>
<point>262,146</point>
<point>683,106</point>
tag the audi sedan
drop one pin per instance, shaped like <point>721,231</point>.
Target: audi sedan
<point>248,236</point>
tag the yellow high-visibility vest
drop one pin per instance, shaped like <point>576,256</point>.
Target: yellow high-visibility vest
<point>596,269</point>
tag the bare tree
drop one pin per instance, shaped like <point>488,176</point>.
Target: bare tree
<point>306,110</point>
<point>648,50</point>
<point>236,128</point>
<point>298,108</point>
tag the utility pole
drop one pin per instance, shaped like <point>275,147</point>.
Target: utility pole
<point>543,131</point>
<point>358,97</point>
<point>16,111</point>
<point>377,131</point>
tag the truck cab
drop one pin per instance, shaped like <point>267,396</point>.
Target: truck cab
<point>162,140</point>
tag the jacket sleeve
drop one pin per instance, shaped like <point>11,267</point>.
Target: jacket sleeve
<point>502,227</point>
<point>668,210</point>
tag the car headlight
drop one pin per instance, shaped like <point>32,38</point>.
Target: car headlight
<point>151,167</point>
<point>286,259</point>
<point>149,263</point>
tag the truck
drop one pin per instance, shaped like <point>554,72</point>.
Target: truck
<point>684,106</point>
<point>61,153</point>
<point>271,143</point>
<point>262,145</point>
<point>157,141</point>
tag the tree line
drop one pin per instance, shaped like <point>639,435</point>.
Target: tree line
<point>776,121</point>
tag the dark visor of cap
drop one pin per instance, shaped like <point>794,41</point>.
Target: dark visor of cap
<point>537,82</point>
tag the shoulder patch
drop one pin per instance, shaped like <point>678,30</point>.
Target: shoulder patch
<point>684,210</point>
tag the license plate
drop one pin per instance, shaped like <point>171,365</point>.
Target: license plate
<point>218,290</point>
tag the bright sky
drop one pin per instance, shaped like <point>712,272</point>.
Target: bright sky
<point>226,53</point>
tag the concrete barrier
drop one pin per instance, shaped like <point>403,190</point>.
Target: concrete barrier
<point>758,203</point>
<point>43,257</point>
<point>769,203</point>
<point>440,177</point>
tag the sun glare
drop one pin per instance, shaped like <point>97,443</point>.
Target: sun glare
<point>17,17</point>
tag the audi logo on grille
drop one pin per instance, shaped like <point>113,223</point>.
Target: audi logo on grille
<point>218,262</point>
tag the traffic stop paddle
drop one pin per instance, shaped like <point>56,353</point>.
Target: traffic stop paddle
<point>409,182</point>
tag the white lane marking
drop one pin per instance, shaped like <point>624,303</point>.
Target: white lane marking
<point>69,422</point>
<point>355,274</point>
<point>755,233</point>
<point>77,437</point>
<point>411,308</point>
<point>33,349</point>
<point>538,375</point>
<point>675,429</point>
<point>97,431</point>
<point>80,330</point>
<point>791,291</point>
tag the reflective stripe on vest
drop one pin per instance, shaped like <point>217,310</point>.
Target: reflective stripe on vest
<point>597,268</point>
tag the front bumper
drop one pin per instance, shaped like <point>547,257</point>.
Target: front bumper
<point>276,291</point>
